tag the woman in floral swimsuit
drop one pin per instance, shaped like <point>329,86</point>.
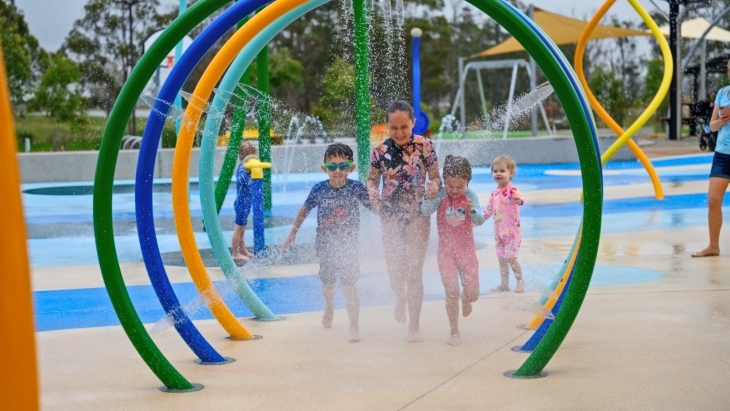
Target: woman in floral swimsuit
<point>402,162</point>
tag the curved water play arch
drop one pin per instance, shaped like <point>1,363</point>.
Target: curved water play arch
<point>551,61</point>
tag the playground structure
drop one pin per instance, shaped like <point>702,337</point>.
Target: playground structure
<point>460,103</point>
<point>245,44</point>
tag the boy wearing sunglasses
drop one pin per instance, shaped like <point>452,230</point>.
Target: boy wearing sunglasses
<point>338,202</point>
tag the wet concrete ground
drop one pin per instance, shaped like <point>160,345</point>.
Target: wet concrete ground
<point>639,342</point>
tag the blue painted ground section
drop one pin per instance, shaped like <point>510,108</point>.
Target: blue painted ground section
<point>90,307</point>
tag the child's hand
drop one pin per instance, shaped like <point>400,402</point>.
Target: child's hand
<point>518,200</point>
<point>432,189</point>
<point>289,240</point>
<point>374,196</point>
<point>468,205</point>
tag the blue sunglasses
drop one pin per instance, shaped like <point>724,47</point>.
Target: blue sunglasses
<point>338,166</point>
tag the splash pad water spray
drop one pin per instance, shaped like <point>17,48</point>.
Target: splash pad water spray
<point>268,22</point>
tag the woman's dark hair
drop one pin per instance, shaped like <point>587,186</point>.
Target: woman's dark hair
<point>399,106</point>
<point>456,166</point>
<point>339,150</point>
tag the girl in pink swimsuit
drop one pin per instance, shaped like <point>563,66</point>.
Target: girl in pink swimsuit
<point>457,212</point>
<point>504,205</point>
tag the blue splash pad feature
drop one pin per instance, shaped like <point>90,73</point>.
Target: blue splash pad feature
<point>90,307</point>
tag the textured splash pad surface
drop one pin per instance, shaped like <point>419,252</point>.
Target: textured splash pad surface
<point>647,297</point>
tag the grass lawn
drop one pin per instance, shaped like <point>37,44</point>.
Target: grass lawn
<point>40,130</point>
<point>477,135</point>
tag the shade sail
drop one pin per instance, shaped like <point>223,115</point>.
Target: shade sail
<point>693,29</point>
<point>562,30</point>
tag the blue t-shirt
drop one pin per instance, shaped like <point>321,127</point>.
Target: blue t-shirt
<point>338,215</point>
<point>723,135</point>
<point>242,205</point>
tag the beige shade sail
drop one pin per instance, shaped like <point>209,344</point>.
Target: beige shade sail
<point>693,29</point>
<point>562,30</point>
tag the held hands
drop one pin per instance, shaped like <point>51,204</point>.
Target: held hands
<point>432,189</point>
<point>468,205</point>
<point>374,195</point>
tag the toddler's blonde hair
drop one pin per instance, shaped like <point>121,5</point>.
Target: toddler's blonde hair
<point>507,161</point>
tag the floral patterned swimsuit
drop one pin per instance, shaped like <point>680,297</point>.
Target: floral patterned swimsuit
<point>503,204</point>
<point>403,171</point>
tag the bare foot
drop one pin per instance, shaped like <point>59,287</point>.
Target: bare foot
<point>500,288</point>
<point>465,307</point>
<point>354,334</point>
<point>329,312</point>
<point>240,257</point>
<point>520,287</point>
<point>707,252</point>
<point>454,340</point>
<point>400,311</point>
<point>414,337</point>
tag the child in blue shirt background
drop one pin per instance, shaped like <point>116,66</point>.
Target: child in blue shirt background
<point>242,205</point>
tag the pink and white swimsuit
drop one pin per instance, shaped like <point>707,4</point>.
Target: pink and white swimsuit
<point>503,204</point>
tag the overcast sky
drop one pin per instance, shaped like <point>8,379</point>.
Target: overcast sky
<point>51,20</point>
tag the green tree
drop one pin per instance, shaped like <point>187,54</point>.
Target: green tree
<point>58,94</point>
<point>652,81</point>
<point>100,43</point>
<point>338,99</point>
<point>314,42</point>
<point>284,69</point>
<point>20,50</point>
<point>609,90</point>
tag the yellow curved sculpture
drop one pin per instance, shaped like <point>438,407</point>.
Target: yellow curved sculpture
<point>181,160</point>
<point>625,136</point>
<point>19,379</point>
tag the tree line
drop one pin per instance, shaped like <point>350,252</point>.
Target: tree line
<point>311,62</point>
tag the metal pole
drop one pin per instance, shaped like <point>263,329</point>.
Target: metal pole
<point>264,120</point>
<point>508,114</point>
<point>533,79</point>
<point>129,4</point>
<point>416,52</point>
<point>257,205</point>
<point>462,102</point>
<point>482,97</point>
<point>362,88</point>
<point>703,72</point>
<point>178,53</point>
<point>675,116</point>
